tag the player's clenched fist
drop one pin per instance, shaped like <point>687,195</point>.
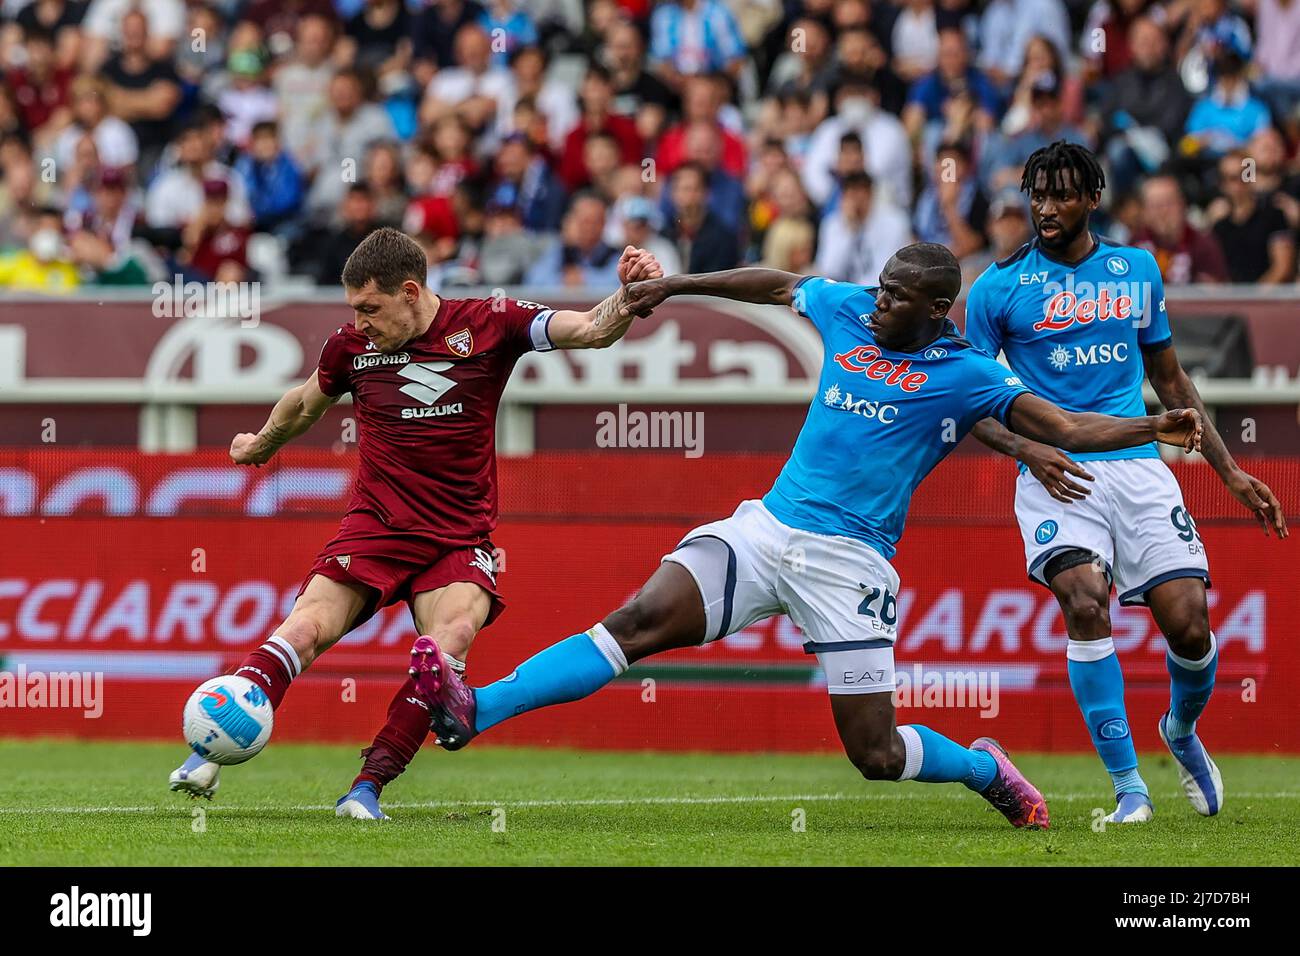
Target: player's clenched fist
<point>638,264</point>
<point>249,449</point>
<point>1182,426</point>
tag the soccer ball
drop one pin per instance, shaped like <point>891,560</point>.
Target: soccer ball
<point>228,720</point>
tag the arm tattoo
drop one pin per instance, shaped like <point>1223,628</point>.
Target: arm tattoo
<point>610,306</point>
<point>276,435</point>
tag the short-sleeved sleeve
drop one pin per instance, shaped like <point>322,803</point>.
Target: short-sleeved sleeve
<point>983,327</point>
<point>332,369</point>
<point>818,299</point>
<point>992,388</point>
<point>527,326</point>
<point>1154,333</point>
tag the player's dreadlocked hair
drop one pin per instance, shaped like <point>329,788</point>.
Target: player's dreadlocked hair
<point>1060,159</point>
<point>388,256</point>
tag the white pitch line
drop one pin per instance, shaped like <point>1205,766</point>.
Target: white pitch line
<point>596,802</point>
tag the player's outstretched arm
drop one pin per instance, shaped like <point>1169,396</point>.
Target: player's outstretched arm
<point>1176,389</point>
<point>293,414</point>
<point>1051,466</point>
<point>1042,421</point>
<point>609,321</point>
<point>751,284</point>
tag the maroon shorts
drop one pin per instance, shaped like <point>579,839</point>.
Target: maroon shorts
<point>398,565</point>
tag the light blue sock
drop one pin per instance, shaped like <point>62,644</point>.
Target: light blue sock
<point>933,758</point>
<point>1098,686</point>
<point>1190,686</point>
<point>570,670</point>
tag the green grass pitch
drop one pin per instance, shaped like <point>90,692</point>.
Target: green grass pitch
<point>76,803</point>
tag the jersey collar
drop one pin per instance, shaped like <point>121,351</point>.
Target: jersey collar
<point>1096,248</point>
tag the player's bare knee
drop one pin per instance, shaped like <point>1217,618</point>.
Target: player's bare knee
<point>880,761</point>
<point>638,627</point>
<point>1087,616</point>
<point>1189,637</point>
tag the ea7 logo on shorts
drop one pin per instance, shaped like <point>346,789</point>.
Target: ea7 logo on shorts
<point>1114,729</point>
<point>865,677</point>
<point>462,342</point>
<point>1046,531</point>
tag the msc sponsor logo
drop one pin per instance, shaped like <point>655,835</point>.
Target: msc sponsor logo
<point>1114,729</point>
<point>872,410</point>
<point>1061,357</point>
<point>362,362</point>
<point>1046,531</point>
<point>866,359</point>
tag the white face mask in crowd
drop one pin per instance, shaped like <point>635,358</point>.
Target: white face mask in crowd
<point>46,244</point>
<point>857,109</point>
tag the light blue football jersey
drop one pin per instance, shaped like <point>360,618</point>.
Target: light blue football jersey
<point>1075,334</point>
<point>881,419</point>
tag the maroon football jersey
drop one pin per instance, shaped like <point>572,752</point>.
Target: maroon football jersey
<point>427,413</point>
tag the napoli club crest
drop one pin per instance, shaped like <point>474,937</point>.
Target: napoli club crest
<point>462,342</point>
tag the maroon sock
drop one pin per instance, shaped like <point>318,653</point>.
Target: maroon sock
<point>272,667</point>
<point>398,741</point>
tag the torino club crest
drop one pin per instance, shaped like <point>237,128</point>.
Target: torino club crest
<point>462,343</point>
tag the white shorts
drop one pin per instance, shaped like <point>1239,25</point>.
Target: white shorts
<point>841,593</point>
<point>1134,520</point>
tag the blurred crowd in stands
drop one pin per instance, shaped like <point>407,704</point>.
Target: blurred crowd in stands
<point>528,142</point>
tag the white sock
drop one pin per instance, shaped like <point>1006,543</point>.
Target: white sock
<point>914,752</point>
<point>608,648</point>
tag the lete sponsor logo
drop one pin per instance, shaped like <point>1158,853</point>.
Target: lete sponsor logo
<point>866,359</point>
<point>1065,308</point>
